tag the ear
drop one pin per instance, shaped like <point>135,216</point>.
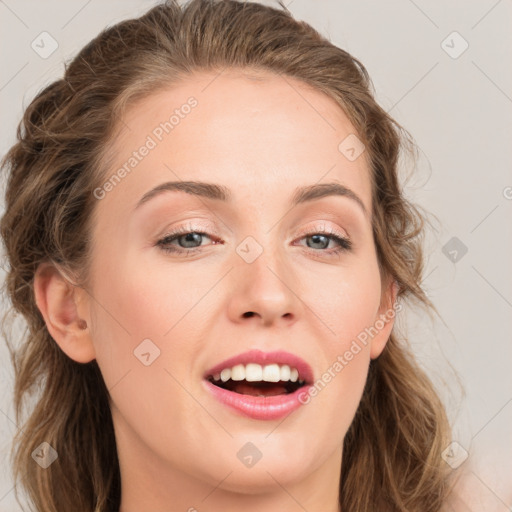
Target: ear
<point>62,306</point>
<point>385,318</point>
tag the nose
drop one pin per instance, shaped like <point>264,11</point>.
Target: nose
<point>264,292</point>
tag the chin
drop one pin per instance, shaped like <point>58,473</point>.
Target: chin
<point>260,478</point>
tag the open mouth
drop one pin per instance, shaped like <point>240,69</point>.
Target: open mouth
<point>261,386</point>
<point>257,374</point>
<point>258,388</point>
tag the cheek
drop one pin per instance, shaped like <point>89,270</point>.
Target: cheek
<point>346,303</point>
<point>139,338</point>
<point>141,309</point>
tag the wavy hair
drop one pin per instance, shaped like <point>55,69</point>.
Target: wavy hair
<point>392,450</point>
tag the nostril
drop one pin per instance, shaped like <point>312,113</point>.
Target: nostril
<point>248,314</point>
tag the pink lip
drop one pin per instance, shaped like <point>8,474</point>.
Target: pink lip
<point>256,407</point>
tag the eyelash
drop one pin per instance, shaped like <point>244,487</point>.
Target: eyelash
<point>344,244</point>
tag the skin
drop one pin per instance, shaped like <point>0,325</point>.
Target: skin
<point>261,136</point>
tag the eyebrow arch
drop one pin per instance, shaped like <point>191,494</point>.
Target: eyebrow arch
<point>221,193</point>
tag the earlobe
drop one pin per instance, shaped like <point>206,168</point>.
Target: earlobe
<point>385,320</point>
<point>58,301</point>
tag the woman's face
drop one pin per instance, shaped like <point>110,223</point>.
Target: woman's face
<point>254,274</point>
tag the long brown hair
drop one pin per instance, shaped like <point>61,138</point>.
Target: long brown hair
<point>392,451</point>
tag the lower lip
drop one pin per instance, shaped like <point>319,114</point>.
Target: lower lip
<point>258,407</point>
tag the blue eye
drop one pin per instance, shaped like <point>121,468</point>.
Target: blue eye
<point>344,244</point>
<point>183,236</point>
<point>189,241</point>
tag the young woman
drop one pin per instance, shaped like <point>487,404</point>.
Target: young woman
<point>209,243</point>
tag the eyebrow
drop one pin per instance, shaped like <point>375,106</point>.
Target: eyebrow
<point>221,193</point>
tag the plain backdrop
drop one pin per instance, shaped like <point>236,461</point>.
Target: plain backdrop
<point>442,69</point>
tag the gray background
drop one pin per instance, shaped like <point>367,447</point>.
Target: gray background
<point>458,108</point>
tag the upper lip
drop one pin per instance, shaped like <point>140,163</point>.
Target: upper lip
<point>264,358</point>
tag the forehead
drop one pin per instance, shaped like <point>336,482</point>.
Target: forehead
<point>246,98</point>
<point>251,130</point>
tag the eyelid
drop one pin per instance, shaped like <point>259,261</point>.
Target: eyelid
<point>344,241</point>
<point>322,226</point>
<point>211,230</point>
<point>190,226</point>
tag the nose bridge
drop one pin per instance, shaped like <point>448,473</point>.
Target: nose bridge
<point>263,281</point>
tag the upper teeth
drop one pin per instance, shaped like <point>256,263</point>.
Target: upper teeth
<point>253,372</point>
